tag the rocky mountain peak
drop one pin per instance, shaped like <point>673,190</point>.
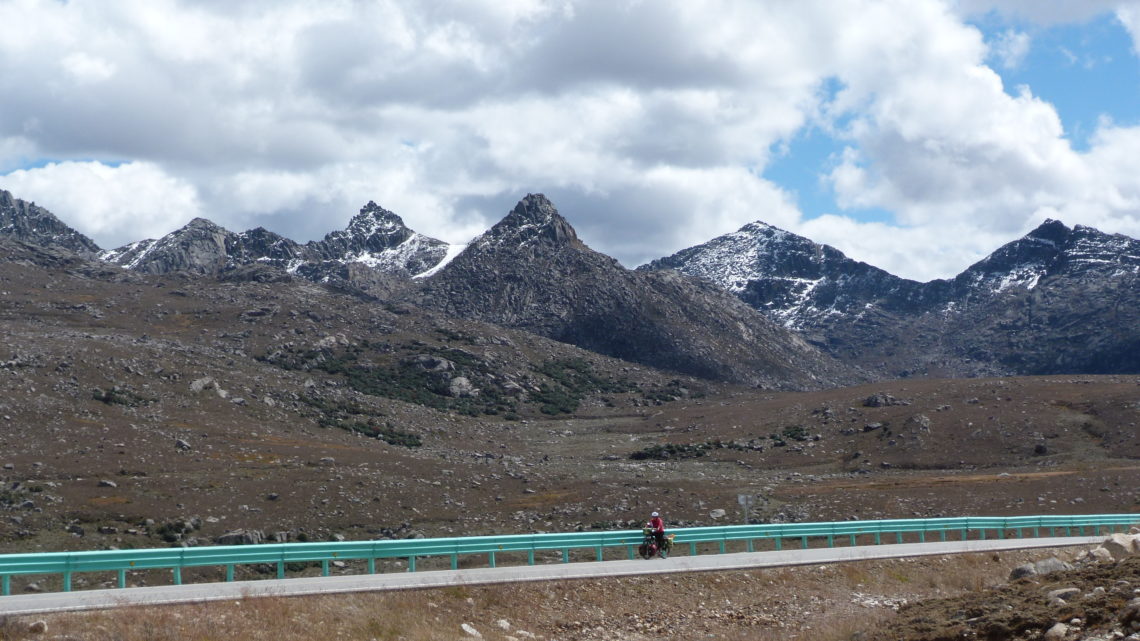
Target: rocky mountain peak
<point>26,222</point>
<point>534,220</point>
<point>200,247</point>
<point>374,221</point>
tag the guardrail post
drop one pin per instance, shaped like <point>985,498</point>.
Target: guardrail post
<point>281,569</point>
<point>982,533</point>
<point>830,540</point>
<point>693,548</point>
<point>67,581</point>
<point>530,556</point>
<point>229,573</point>
<point>803,542</point>
<point>878,538</point>
<point>122,579</point>
<point>5,585</point>
<point>454,561</point>
<point>898,537</point>
<point>629,548</point>
<point>922,536</point>
<point>942,535</point>
<point>565,555</point>
<point>779,543</point>
<point>853,543</point>
<point>749,545</point>
<point>324,567</point>
<point>599,552</point>
<point>411,564</point>
<point>722,548</point>
<point>491,558</point>
<point>178,575</point>
<point>371,565</point>
<point>965,534</point>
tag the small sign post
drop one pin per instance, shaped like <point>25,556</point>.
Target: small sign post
<point>746,501</point>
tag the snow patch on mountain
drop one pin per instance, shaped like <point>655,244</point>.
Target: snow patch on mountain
<point>452,252</point>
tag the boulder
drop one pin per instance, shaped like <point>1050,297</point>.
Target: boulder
<point>1131,612</point>
<point>241,537</point>
<point>1064,594</point>
<point>1044,566</point>
<point>1051,564</point>
<point>883,399</point>
<point>430,363</point>
<point>1100,555</point>
<point>1057,632</point>
<point>1121,545</point>
<point>461,387</point>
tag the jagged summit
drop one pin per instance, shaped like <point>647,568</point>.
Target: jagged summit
<point>531,272</point>
<point>534,219</point>
<point>788,276</point>
<point>374,228</point>
<point>26,222</point>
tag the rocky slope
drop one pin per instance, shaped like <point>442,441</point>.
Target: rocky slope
<point>530,271</point>
<point>24,221</point>
<point>1057,300</point>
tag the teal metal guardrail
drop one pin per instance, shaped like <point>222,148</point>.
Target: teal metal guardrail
<point>67,564</point>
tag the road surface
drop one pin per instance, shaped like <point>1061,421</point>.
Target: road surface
<point>199,592</point>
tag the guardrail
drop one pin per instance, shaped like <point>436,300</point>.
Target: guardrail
<point>67,564</point>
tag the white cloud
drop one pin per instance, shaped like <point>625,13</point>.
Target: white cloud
<point>1010,48</point>
<point>649,123</point>
<point>125,203</point>
<point>1129,17</point>
<point>86,69</point>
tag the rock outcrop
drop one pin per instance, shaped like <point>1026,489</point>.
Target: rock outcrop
<point>25,222</point>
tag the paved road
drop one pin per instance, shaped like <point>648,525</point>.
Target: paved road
<point>95,599</point>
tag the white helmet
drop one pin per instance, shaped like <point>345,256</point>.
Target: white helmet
<point>654,514</point>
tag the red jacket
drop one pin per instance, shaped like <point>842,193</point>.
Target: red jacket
<point>657,525</point>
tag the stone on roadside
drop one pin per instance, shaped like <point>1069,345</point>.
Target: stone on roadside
<point>1051,564</point>
<point>1120,546</point>
<point>1064,594</point>
<point>1057,632</point>
<point>1100,555</point>
<point>471,631</point>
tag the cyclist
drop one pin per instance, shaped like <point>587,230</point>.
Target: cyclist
<point>657,526</point>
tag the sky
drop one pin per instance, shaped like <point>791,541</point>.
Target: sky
<point>915,135</point>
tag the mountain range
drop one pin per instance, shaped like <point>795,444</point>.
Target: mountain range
<point>1059,299</point>
<point>759,306</point>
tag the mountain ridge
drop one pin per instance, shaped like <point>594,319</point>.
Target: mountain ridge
<point>1055,300</point>
<point>1013,312</point>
